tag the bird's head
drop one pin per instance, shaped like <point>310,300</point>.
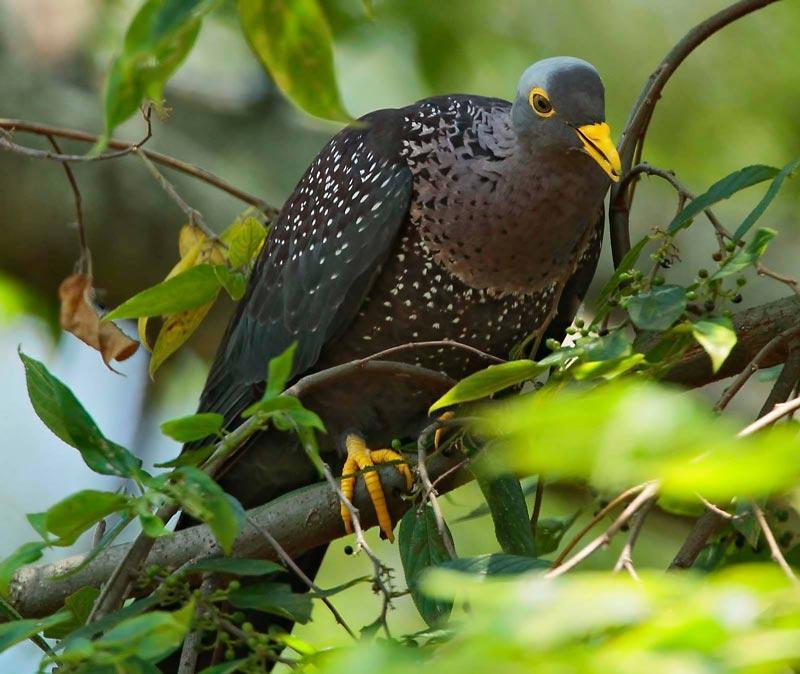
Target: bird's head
<point>560,105</point>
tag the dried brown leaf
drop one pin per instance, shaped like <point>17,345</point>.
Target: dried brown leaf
<point>79,316</point>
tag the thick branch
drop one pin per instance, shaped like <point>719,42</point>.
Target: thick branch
<point>299,521</point>
<point>755,328</point>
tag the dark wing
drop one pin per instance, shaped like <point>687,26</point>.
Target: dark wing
<point>575,289</point>
<point>326,248</point>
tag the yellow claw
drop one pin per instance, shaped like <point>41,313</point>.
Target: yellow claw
<point>359,457</point>
<point>440,432</point>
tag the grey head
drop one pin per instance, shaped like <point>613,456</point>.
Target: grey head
<point>560,107</point>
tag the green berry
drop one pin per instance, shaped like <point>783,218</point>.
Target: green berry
<point>579,323</point>
<point>702,273</point>
<point>659,280</point>
<point>552,344</point>
<point>709,305</point>
<point>691,296</point>
<point>234,585</point>
<point>730,246</point>
<point>737,299</point>
<point>741,281</point>
<point>717,256</point>
<point>571,330</point>
<point>247,627</point>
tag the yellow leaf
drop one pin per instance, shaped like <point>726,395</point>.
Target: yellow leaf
<point>174,332</point>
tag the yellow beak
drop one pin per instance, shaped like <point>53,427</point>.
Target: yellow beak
<point>597,143</point>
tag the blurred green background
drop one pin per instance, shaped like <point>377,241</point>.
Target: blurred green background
<point>736,101</point>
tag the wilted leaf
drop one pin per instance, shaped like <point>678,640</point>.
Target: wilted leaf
<point>658,308</point>
<point>506,500</point>
<point>717,337</point>
<point>27,553</point>
<point>61,412</point>
<point>188,290</point>
<point>421,547</point>
<point>205,500</point>
<point>275,598</point>
<point>496,565</point>
<point>70,517</point>
<point>157,41</point>
<point>237,566</point>
<point>749,255</point>
<point>19,630</point>
<point>722,189</point>
<point>175,330</point>
<point>489,381</point>
<point>786,172</point>
<point>193,427</point>
<point>293,42</point>
<point>79,317</point>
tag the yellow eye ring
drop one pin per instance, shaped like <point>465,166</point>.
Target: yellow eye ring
<point>540,103</point>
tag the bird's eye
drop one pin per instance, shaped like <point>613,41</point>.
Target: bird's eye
<point>540,103</point>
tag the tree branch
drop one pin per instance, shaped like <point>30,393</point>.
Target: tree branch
<point>639,119</point>
<point>299,521</point>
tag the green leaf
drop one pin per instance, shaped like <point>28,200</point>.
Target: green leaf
<point>61,412</point>
<point>19,630</point>
<point>506,500</point>
<point>237,566</point>
<point>190,457</point>
<point>205,500</point>
<point>627,263</point>
<point>658,308</point>
<point>629,432</point>
<point>158,40</point>
<point>151,636</point>
<point>421,547</point>
<point>90,630</point>
<point>550,531</point>
<point>279,371</point>
<point>234,282</point>
<point>278,403</point>
<point>27,553</point>
<point>489,381</point>
<point>717,337</point>
<point>294,44</point>
<point>496,565</point>
<point>275,598</point>
<point>108,538</point>
<point>481,510</point>
<point>786,172</point>
<point>188,290</point>
<point>722,189</point>
<point>226,667</point>
<point>193,427</point>
<point>244,239</point>
<point>79,604</point>
<point>748,256</point>
<point>70,517</point>
<point>152,525</point>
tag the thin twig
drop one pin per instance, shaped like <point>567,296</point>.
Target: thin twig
<point>647,494</point>
<point>613,503</point>
<point>787,380</point>
<point>195,218</point>
<point>287,559</point>
<point>763,270</point>
<point>780,410</point>
<point>441,343</point>
<point>724,514</point>
<point>635,130</point>
<point>774,548</point>
<point>429,493</point>
<point>85,258</point>
<point>379,569</point>
<point>625,560</point>
<point>157,157</point>
<point>754,365</point>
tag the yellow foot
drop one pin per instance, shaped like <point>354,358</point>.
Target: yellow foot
<point>440,432</point>
<point>359,457</point>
